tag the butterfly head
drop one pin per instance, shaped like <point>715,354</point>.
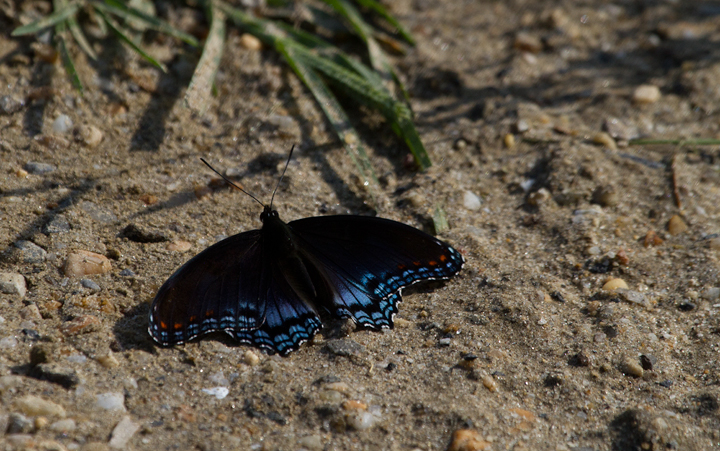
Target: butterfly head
<point>268,213</point>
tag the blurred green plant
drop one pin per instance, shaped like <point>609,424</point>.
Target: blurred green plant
<point>315,61</point>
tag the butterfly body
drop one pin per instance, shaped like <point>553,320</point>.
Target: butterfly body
<point>267,287</point>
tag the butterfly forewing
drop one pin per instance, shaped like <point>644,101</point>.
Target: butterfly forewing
<point>363,263</point>
<point>221,288</point>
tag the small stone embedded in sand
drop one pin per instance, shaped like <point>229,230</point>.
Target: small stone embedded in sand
<point>113,401</point>
<point>123,432</point>
<point>471,201</point>
<point>63,426</point>
<point>13,283</point>
<point>652,239</point>
<point>632,367</point>
<point>250,358</point>
<point>178,246</point>
<point>467,440</point>
<point>84,263</point>
<point>250,42</point>
<point>89,135</point>
<point>676,225</point>
<point>614,284</point>
<point>605,140</point>
<point>539,197</point>
<point>108,360</point>
<point>62,124</point>
<point>217,392</point>
<point>645,94</point>
<point>489,382</point>
<point>35,406</point>
<point>30,252</point>
<point>509,140</point>
<point>311,443</point>
<point>359,416</point>
<point>80,325</point>
<point>527,43</point>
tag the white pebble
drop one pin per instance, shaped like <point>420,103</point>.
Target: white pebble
<point>646,94</point>
<point>66,425</point>
<point>111,401</point>
<point>471,201</point>
<point>13,283</point>
<point>123,432</point>
<point>711,294</point>
<point>62,124</point>
<point>8,342</point>
<point>218,392</point>
<point>361,420</point>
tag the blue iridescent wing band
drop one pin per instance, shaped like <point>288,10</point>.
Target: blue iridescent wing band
<point>364,262</point>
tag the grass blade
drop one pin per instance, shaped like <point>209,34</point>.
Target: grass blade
<point>122,34</point>
<point>198,94</point>
<point>61,42</point>
<point>382,12</point>
<point>440,221</point>
<point>128,13</point>
<point>80,38</point>
<point>55,18</point>
<point>336,115</point>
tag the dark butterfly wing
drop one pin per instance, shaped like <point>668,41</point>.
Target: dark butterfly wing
<point>221,288</point>
<point>289,322</point>
<point>364,262</point>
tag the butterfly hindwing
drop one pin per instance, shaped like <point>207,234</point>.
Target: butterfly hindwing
<point>364,262</point>
<point>221,288</point>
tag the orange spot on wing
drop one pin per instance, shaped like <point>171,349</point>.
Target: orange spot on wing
<point>177,326</point>
<point>401,266</point>
<point>432,263</point>
<point>163,325</point>
<point>193,318</point>
<point>443,258</point>
<point>209,313</point>
<point>416,263</point>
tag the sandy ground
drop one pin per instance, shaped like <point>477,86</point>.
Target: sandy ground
<point>523,349</point>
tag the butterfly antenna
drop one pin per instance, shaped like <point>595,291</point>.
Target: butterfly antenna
<point>230,182</point>
<point>281,176</point>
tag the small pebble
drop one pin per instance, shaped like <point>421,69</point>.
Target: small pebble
<point>344,347</point>
<point>647,362</point>
<point>359,417</point>
<point>108,360</point>
<point>35,406</point>
<point>645,94</point>
<point>605,196</point>
<point>311,443</point>
<point>676,225</point>
<point>58,224</point>
<point>8,342</point>
<point>30,252</point>
<point>509,140</point>
<point>13,283</point>
<point>250,42</point>
<point>30,313</point>
<point>112,401</point>
<point>62,124</point>
<point>652,239</point>
<point>614,284</point>
<point>527,43</point>
<point>178,246</point>
<point>127,273</point>
<point>10,105</point>
<point>90,284</point>
<point>632,368</point>
<point>80,325</point>
<point>89,135</point>
<point>711,294</point>
<point>539,197</point>
<point>84,263</point>
<point>467,440</point>
<point>632,296</point>
<point>250,358</point>
<point>217,392</point>
<point>471,201</point>
<point>123,432</point>
<point>18,424</point>
<point>149,199</point>
<point>489,383</point>
<point>9,381</point>
<point>63,426</point>
<point>604,139</point>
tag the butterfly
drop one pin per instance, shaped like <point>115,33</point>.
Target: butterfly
<point>267,287</point>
